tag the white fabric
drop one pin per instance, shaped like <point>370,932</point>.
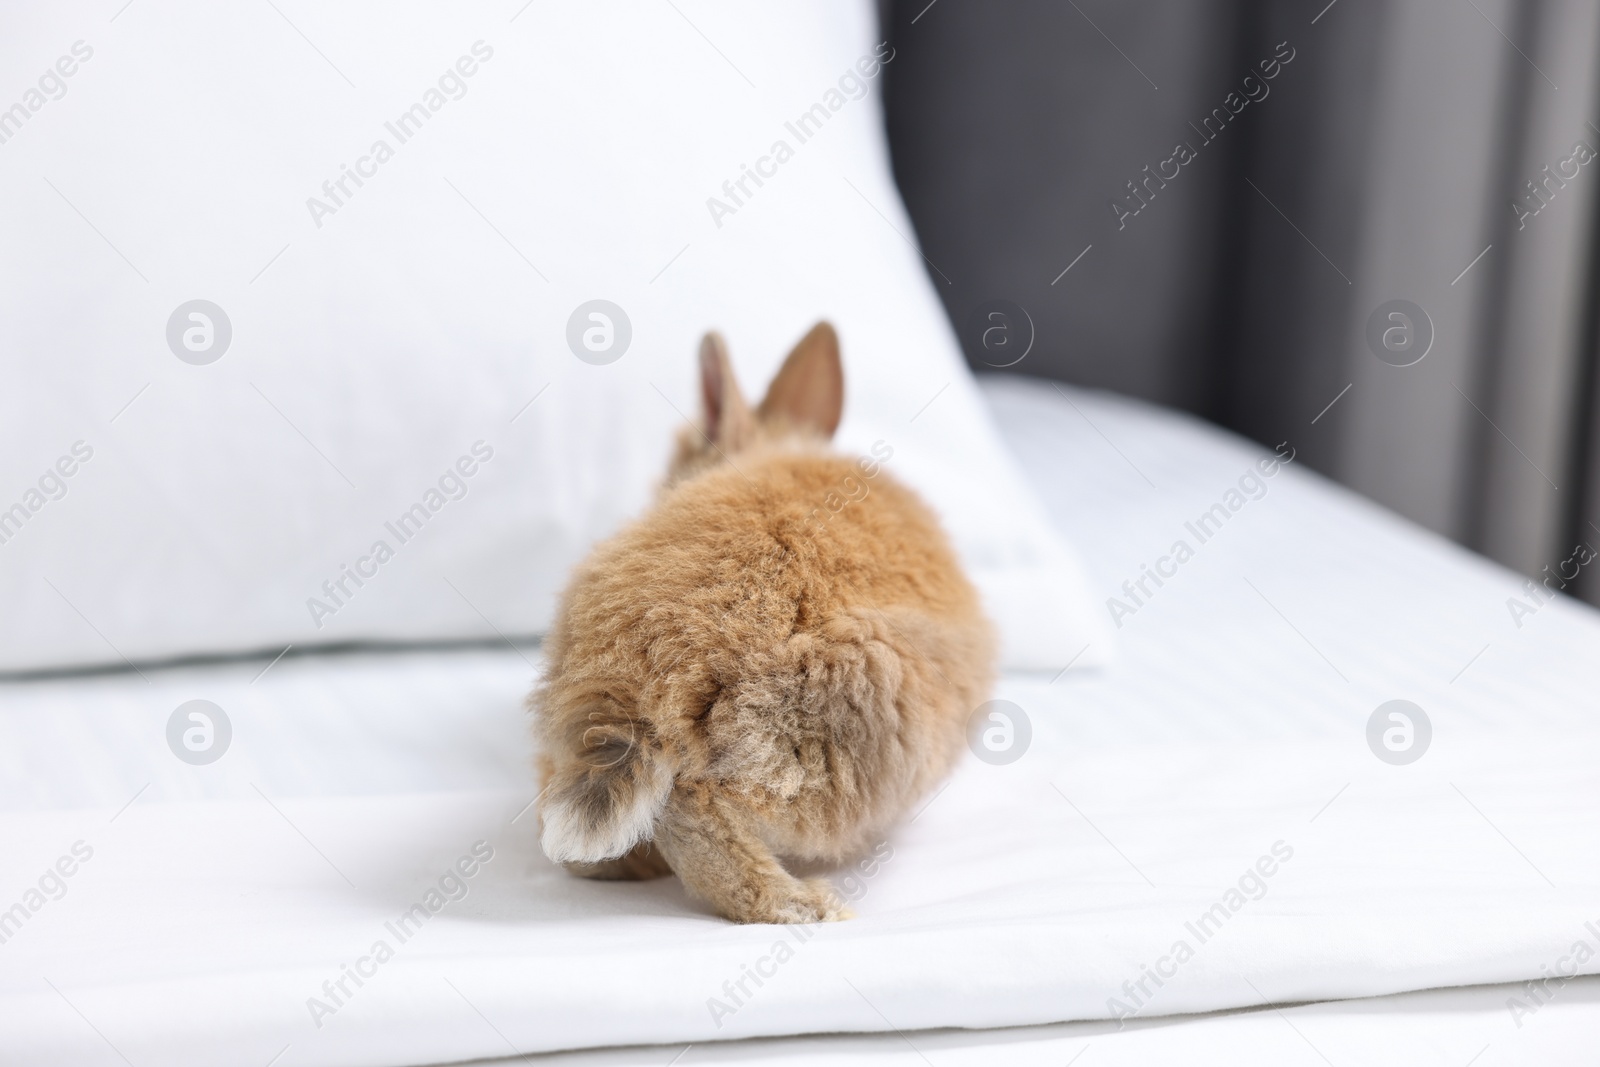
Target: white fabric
<point>1435,1028</point>
<point>217,902</point>
<point>374,346</point>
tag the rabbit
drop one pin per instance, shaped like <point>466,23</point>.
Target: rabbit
<point>773,664</point>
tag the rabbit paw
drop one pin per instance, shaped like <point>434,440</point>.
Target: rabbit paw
<point>809,901</point>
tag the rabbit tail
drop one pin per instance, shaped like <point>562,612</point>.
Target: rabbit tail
<point>600,804</point>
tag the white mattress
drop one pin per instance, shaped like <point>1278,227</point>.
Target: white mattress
<point>1234,718</point>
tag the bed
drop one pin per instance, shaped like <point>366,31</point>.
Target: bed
<point>1213,787</point>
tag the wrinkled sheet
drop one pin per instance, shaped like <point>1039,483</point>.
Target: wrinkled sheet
<point>1202,825</point>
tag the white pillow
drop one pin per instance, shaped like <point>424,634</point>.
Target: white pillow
<point>403,340</point>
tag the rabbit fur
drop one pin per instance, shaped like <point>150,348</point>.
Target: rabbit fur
<point>770,667</point>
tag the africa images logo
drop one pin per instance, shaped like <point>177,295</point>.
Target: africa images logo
<point>999,732</point>
<point>199,332</point>
<point>1399,732</point>
<point>599,332</point>
<point>199,732</point>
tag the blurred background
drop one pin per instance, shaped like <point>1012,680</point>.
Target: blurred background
<point>1364,228</point>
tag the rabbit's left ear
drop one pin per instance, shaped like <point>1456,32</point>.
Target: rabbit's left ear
<point>729,423</point>
<point>808,392</point>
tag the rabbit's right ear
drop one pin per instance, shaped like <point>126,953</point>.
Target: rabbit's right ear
<point>808,392</point>
<point>728,421</point>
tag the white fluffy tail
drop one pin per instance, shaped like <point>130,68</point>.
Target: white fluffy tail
<point>607,801</point>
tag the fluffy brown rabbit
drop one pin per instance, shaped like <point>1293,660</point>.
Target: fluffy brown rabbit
<point>777,660</point>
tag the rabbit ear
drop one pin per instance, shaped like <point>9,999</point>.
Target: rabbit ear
<point>809,389</point>
<point>728,421</point>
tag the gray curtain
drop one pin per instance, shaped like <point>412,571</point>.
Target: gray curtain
<point>1418,151</point>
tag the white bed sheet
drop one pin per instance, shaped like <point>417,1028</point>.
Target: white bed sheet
<point>219,899</point>
<point>1434,1028</point>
